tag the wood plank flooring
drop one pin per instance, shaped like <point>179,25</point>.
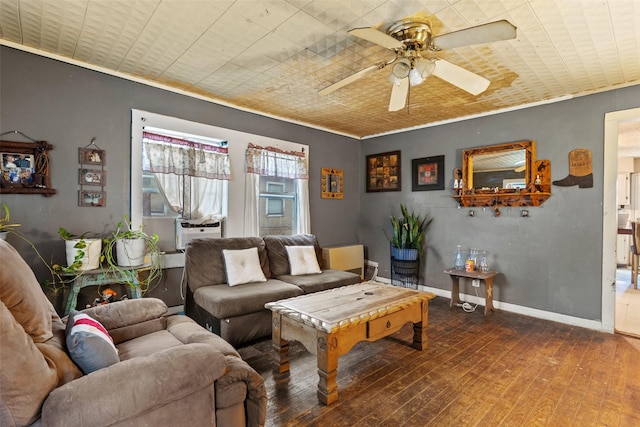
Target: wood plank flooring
<point>502,370</point>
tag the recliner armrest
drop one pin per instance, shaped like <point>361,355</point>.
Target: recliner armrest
<point>131,318</point>
<point>135,387</point>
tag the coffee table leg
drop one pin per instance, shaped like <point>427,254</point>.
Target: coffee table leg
<point>280,346</point>
<point>455,291</point>
<point>420,328</point>
<point>327,367</point>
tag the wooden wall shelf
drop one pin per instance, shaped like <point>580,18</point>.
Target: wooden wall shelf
<point>514,199</point>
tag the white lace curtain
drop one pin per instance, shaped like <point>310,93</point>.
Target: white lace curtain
<point>270,161</point>
<point>189,173</point>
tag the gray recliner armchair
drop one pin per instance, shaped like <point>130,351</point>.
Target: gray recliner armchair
<point>170,370</point>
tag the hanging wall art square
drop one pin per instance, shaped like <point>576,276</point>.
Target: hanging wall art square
<point>427,173</point>
<point>92,156</point>
<point>383,172</point>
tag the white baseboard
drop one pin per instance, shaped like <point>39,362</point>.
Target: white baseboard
<point>519,309</point>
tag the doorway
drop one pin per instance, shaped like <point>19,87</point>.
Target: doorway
<point>611,320</point>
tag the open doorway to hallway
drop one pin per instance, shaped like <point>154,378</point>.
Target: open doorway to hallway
<point>620,299</point>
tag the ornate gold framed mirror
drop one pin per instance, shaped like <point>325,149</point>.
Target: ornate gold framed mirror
<point>332,183</point>
<point>504,175</point>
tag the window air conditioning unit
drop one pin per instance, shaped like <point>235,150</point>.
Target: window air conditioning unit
<point>187,230</point>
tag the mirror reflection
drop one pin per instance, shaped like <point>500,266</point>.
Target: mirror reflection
<point>332,183</point>
<point>501,169</point>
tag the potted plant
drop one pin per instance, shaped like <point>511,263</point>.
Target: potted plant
<point>408,233</point>
<point>83,253</point>
<point>5,222</point>
<point>126,249</point>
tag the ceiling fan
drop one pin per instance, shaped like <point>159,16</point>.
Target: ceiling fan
<point>414,46</point>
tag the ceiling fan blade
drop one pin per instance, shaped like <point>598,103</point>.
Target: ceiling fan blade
<point>377,37</point>
<point>352,78</point>
<point>486,33</point>
<point>458,76</point>
<point>399,94</point>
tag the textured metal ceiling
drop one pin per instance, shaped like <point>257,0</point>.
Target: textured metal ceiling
<point>272,57</point>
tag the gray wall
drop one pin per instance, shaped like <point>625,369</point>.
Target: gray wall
<point>551,261</point>
<point>68,105</point>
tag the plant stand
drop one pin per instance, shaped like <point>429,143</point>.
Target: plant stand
<point>101,277</point>
<point>405,273</point>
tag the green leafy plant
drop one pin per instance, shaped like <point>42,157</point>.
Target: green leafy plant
<point>81,246</point>
<point>409,230</point>
<point>150,271</point>
<point>5,219</point>
<point>58,281</point>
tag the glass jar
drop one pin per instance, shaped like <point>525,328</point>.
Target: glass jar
<point>459,258</point>
<point>483,261</point>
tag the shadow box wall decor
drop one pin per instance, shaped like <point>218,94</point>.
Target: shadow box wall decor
<point>24,167</point>
<point>383,172</point>
<point>91,176</point>
<point>427,173</point>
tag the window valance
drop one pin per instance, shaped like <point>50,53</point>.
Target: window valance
<point>271,161</point>
<point>169,155</point>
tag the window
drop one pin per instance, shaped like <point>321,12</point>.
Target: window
<point>154,202</point>
<point>278,202</point>
<point>274,198</point>
<point>188,170</point>
<point>277,199</point>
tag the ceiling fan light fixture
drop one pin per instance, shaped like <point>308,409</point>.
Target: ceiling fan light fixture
<point>422,69</point>
<point>401,69</point>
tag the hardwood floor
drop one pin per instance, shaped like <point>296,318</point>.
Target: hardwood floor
<point>505,369</point>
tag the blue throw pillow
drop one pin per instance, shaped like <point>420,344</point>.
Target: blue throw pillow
<point>89,344</point>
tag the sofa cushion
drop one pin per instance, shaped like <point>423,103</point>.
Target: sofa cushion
<point>278,257</point>
<point>89,344</point>
<point>302,260</point>
<point>147,345</point>
<point>204,263</point>
<point>242,266</point>
<point>22,295</point>
<point>328,279</point>
<point>223,301</point>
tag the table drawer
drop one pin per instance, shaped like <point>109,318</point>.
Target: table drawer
<point>387,325</point>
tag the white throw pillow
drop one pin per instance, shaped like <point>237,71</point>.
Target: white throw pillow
<point>243,266</point>
<point>302,260</point>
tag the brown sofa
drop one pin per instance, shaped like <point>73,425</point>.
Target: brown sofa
<point>171,370</point>
<point>237,313</point>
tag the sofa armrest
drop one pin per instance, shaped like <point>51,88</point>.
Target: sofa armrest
<point>135,387</point>
<point>256,403</point>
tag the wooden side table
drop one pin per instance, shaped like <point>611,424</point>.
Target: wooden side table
<point>486,277</point>
<point>100,277</point>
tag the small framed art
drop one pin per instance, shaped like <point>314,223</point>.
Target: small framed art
<point>92,198</point>
<point>92,177</point>
<point>427,173</point>
<point>92,156</point>
<point>383,172</point>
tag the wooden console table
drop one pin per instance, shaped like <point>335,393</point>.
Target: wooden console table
<point>100,277</point>
<point>486,277</point>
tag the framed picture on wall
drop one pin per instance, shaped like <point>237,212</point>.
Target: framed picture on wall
<point>427,173</point>
<point>92,198</point>
<point>92,177</point>
<point>92,156</point>
<point>383,172</point>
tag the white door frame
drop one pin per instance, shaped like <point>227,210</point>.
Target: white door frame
<point>610,213</point>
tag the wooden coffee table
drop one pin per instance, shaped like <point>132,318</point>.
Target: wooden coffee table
<point>330,323</point>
